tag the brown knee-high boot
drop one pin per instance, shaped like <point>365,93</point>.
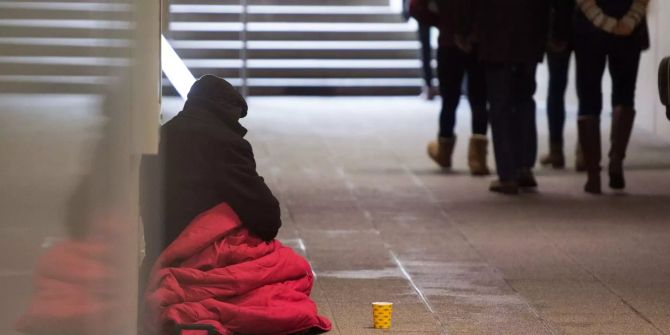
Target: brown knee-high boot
<point>580,166</point>
<point>622,126</point>
<point>589,138</point>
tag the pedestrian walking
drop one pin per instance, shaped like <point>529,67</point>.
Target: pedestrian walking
<point>453,63</point>
<point>608,33</point>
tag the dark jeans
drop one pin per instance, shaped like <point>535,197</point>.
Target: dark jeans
<point>426,54</point>
<point>623,57</point>
<point>559,65</point>
<point>452,65</point>
<point>510,90</point>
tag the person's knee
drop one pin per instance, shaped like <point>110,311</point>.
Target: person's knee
<point>623,95</point>
<point>589,109</point>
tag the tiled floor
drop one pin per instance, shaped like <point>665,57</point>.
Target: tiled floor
<point>379,222</point>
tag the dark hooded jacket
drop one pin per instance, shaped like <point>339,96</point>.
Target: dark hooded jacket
<point>207,161</point>
<point>445,18</point>
<point>509,31</point>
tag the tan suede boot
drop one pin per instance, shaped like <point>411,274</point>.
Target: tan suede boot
<point>555,157</point>
<point>441,149</point>
<point>477,152</point>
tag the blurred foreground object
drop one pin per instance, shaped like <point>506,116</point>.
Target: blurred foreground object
<point>87,283</point>
<point>664,84</point>
<point>77,286</point>
<point>80,97</point>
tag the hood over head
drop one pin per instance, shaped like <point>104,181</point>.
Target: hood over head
<point>219,94</point>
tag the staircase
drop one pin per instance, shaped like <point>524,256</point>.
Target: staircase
<point>62,46</point>
<point>294,47</point>
<point>299,47</point>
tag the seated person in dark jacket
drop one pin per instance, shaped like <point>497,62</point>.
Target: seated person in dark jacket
<point>204,161</point>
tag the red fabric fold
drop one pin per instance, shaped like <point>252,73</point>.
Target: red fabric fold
<point>217,273</point>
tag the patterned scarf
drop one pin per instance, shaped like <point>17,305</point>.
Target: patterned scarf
<point>607,23</point>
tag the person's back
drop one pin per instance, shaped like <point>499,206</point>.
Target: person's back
<point>206,161</point>
<point>512,31</point>
<point>454,61</point>
<point>610,34</point>
<point>511,36</point>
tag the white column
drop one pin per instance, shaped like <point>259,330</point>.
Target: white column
<point>660,12</point>
<point>146,76</point>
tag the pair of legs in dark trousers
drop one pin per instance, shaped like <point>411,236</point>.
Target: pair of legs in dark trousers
<point>623,63</point>
<point>426,54</point>
<point>452,65</point>
<point>559,65</point>
<point>510,90</point>
<point>622,56</point>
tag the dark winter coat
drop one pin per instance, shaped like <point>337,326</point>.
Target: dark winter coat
<point>561,27</point>
<point>508,31</point>
<point>445,18</point>
<point>207,161</point>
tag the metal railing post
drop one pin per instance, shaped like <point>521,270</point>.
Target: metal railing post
<point>243,51</point>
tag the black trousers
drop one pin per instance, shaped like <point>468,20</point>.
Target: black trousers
<point>559,65</point>
<point>510,90</point>
<point>452,65</point>
<point>426,54</point>
<point>622,55</point>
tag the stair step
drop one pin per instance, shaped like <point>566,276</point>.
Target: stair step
<point>60,70</point>
<point>296,27</point>
<point>308,64</point>
<point>35,30</point>
<point>74,42</point>
<point>57,66</point>
<point>309,73</point>
<point>294,36</point>
<point>289,2</point>
<point>322,82</point>
<point>34,50</point>
<point>297,54</point>
<point>66,61</point>
<point>320,10</point>
<point>29,14</point>
<point>294,47</point>
<point>336,18</point>
<point>284,13</point>
<point>53,84</point>
<point>322,91</point>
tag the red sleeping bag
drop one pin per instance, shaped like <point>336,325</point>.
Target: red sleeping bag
<point>215,273</point>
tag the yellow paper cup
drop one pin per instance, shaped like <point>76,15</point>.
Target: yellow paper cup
<point>382,313</point>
